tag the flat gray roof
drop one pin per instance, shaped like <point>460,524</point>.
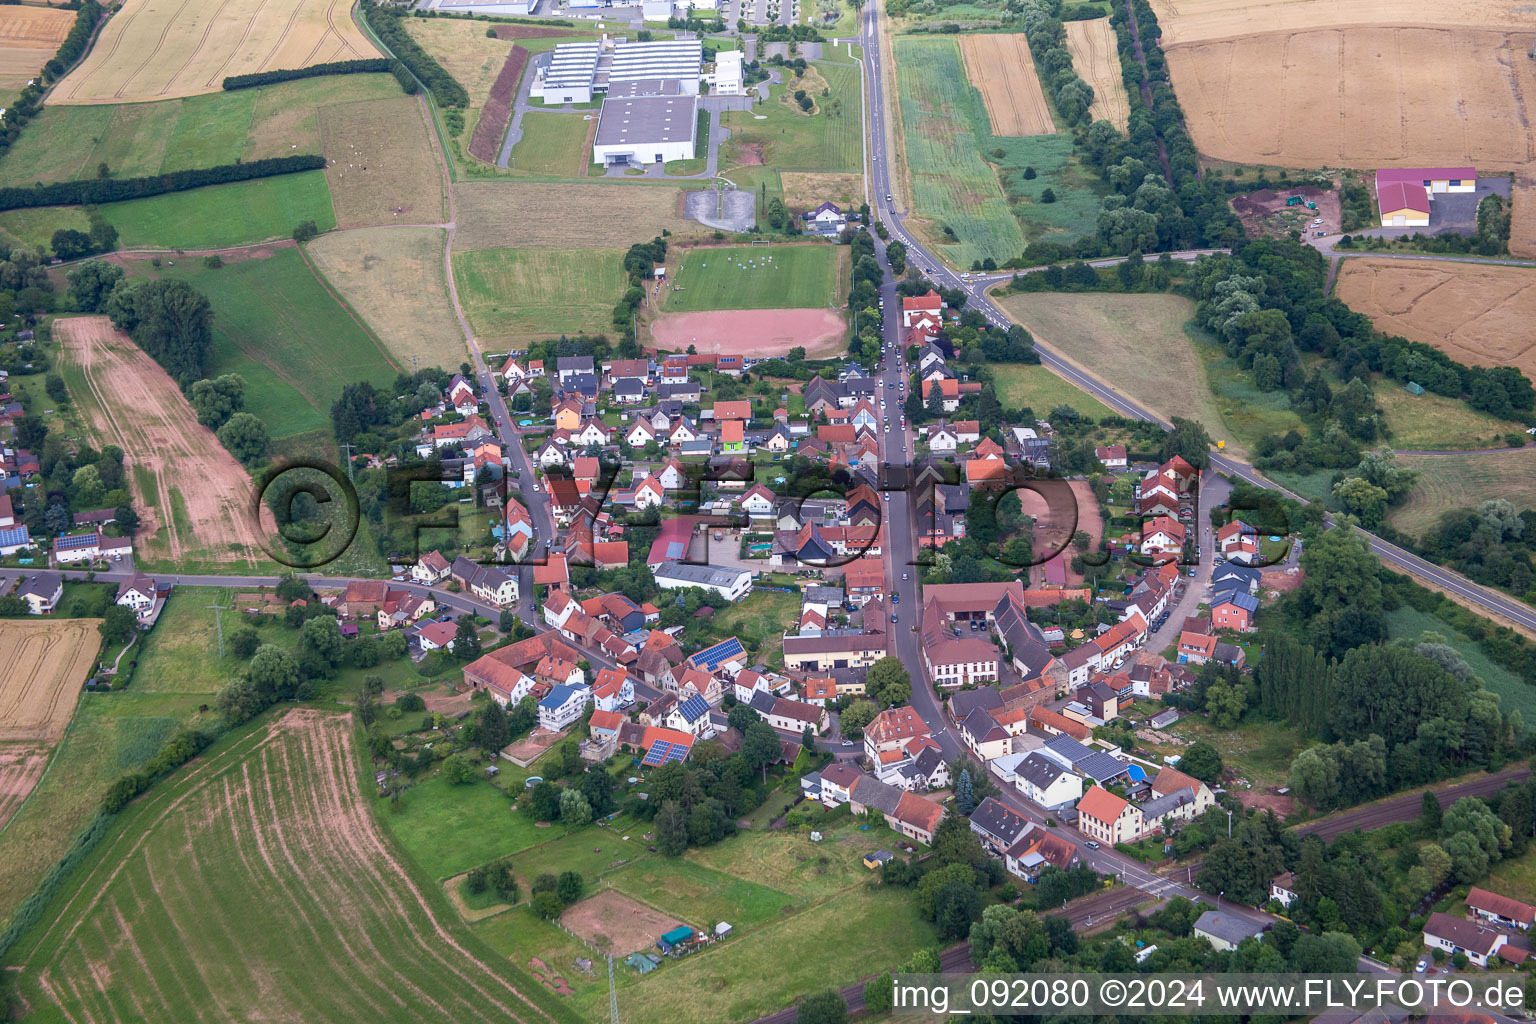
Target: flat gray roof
<point>646,120</point>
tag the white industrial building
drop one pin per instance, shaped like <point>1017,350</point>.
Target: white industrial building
<point>727,78</point>
<point>731,584</point>
<point>574,72</point>
<point>567,74</point>
<point>508,8</point>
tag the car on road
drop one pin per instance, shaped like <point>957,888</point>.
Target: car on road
<point>888,198</point>
<point>1091,845</point>
<point>906,576</point>
<point>893,616</point>
<point>895,599</point>
<point>1192,573</point>
<point>887,496</point>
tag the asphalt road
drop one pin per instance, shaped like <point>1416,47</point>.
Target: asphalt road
<point>975,286</point>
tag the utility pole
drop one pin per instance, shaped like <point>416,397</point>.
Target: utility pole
<point>613,995</point>
<point>218,623</point>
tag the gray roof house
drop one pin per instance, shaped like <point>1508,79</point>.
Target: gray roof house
<point>1224,930</point>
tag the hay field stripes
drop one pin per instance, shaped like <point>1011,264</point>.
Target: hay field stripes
<point>1360,96</point>
<point>261,875</point>
<point>1463,481</point>
<point>1474,313</point>
<point>1003,71</point>
<point>149,52</point>
<point>1096,58</point>
<point>47,661</point>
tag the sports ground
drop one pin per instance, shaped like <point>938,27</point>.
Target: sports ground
<point>753,277</point>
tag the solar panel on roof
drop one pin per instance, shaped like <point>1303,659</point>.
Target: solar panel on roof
<point>657,754</point>
<point>82,540</point>
<point>723,651</point>
<point>678,752</point>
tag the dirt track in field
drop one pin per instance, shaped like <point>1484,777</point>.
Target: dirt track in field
<point>135,405</point>
<point>1003,71</point>
<point>1478,314</point>
<point>21,765</point>
<point>617,924</point>
<point>1096,59</point>
<point>765,332</point>
<point>45,663</point>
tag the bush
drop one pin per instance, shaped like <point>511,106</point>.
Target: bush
<point>410,702</point>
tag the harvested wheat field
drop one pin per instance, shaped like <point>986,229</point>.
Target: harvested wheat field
<point>393,277</point>
<point>256,885</point>
<point>195,499</point>
<point>28,38</point>
<point>1187,21</point>
<point>493,215</point>
<point>21,765</point>
<point>1096,59</point>
<point>46,662</point>
<point>1479,314</point>
<point>157,49</point>
<point>617,924</point>
<point>760,332</point>
<point>1002,70</point>
<point>1522,215</point>
<point>1360,96</point>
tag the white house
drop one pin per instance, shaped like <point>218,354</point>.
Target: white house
<point>1282,889</point>
<point>41,592</point>
<point>1456,935</point>
<point>494,586</point>
<point>942,439</point>
<point>640,433</point>
<point>758,502</point>
<point>1047,783</point>
<point>137,592</point>
<point>562,706</point>
<point>431,568</point>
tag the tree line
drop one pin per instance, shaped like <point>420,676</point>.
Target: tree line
<point>386,23</point>
<point>335,67</point>
<point>112,190</point>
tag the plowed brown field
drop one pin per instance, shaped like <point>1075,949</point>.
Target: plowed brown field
<point>45,663</point>
<point>616,923</point>
<point>1002,70</point>
<point>1096,59</point>
<point>1479,314</point>
<point>134,404</point>
<point>21,765</point>
<point>1359,95</point>
<point>762,332</point>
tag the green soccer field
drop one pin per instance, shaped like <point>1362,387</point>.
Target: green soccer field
<point>755,277</point>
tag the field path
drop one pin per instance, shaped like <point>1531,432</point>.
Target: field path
<point>138,407</point>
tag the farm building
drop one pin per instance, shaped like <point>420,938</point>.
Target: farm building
<point>1404,194</point>
<point>646,122</point>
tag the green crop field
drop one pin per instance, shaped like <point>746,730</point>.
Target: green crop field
<point>203,218</point>
<point>259,862</point>
<point>972,182</point>
<point>518,294</point>
<point>277,326</point>
<point>144,139</point>
<point>755,277</point>
<point>1034,387</point>
<point>787,140</point>
<point>553,144</point>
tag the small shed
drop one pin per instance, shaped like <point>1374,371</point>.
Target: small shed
<point>642,962</point>
<point>1413,388</point>
<point>722,930</point>
<point>678,936</point>
<point>874,860</point>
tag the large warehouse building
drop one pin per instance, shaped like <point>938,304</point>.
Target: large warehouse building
<point>574,72</point>
<point>1404,194</point>
<point>647,121</point>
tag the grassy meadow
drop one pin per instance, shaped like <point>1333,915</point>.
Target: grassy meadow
<point>276,325</point>
<point>1021,386</point>
<point>393,278</point>
<point>785,277</point>
<point>1464,481</point>
<point>787,139</point>
<point>214,217</point>
<point>553,144</point>
<point>144,139</point>
<point>513,294</point>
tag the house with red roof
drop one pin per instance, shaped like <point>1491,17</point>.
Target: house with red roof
<point>1106,818</point>
<point>927,308</point>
